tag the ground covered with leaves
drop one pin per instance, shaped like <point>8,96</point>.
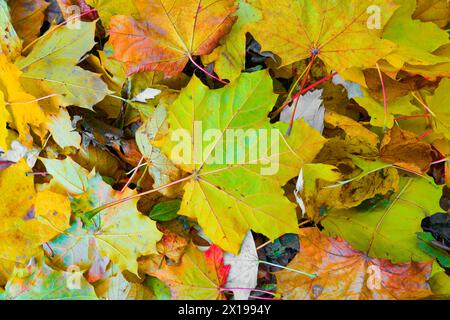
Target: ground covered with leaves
<point>336,184</point>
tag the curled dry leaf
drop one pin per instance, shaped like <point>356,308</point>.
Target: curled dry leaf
<point>406,150</point>
<point>27,17</point>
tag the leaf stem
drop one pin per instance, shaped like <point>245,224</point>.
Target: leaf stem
<point>132,176</point>
<point>311,275</point>
<point>440,161</point>
<point>90,214</point>
<point>248,289</point>
<point>206,71</point>
<point>121,99</point>
<point>56,27</point>
<point>383,88</point>
<point>426,115</point>
<point>261,298</point>
<point>425,134</point>
<point>32,101</point>
<point>295,104</point>
<point>319,82</point>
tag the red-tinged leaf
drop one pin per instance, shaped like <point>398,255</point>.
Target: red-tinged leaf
<point>345,273</point>
<point>199,276</point>
<point>169,32</point>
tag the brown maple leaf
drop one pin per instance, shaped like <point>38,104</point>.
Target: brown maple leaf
<point>345,273</point>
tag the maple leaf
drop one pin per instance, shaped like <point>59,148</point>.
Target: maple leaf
<point>359,139</point>
<point>50,68</point>
<point>438,107</point>
<point>387,229</point>
<point>107,9</point>
<point>75,247</point>
<point>335,31</point>
<point>118,288</point>
<point>378,117</point>
<point>28,218</point>
<point>172,245</point>
<point>169,33</point>
<point>60,126</point>
<point>67,175</point>
<point>161,168</point>
<point>369,179</point>
<point>347,274</point>
<point>436,11</point>
<point>243,268</point>
<point>10,43</point>
<point>229,57</point>
<point>226,210</point>
<point>27,17</point>
<point>200,276</point>
<point>415,46</point>
<point>405,149</point>
<point>43,283</point>
<point>121,233</point>
<point>22,108</point>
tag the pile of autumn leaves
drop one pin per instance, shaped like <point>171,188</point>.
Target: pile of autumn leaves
<point>364,161</point>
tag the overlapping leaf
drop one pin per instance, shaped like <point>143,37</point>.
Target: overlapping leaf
<point>344,273</point>
<point>225,207</point>
<point>168,32</point>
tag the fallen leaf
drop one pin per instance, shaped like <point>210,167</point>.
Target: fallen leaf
<point>416,46</point>
<point>436,11</point>
<point>121,233</point>
<point>11,45</point>
<point>27,17</point>
<point>406,150</point>
<point>200,276</point>
<point>67,174</point>
<point>438,106</point>
<point>51,67</point>
<point>28,218</point>
<point>224,209</point>
<point>60,126</point>
<point>168,33</point>
<point>323,29</point>
<point>387,229</point>
<point>23,110</point>
<point>43,283</point>
<point>243,268</point>
<point>309,107</point>
<point>118,288</point>
<point>344,273</point>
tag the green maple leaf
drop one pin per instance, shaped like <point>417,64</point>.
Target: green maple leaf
<point>230,197</point>
<point>106,9</point>
<point>388,230</point>
<point>416,40</point>
<point>439,107</point>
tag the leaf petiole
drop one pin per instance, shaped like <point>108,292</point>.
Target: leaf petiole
<point>206,71</point>
<point>91,214</point>
<point>311,275</point>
